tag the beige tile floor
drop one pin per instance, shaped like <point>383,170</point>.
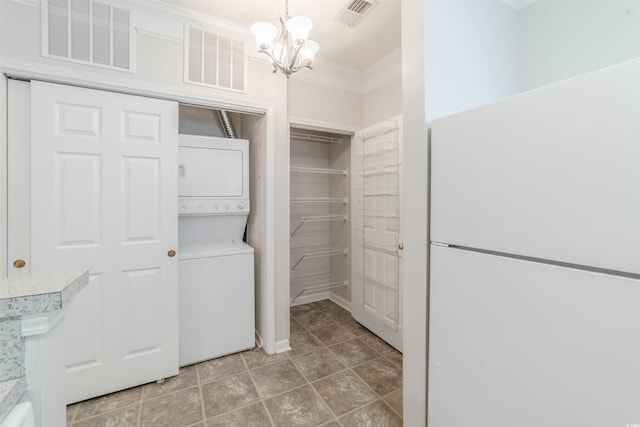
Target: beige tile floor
<point>336,374</point>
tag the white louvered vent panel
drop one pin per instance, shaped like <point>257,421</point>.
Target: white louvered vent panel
<point>214,60</point>
<point>210,47</point>
<point>88,31</point>
<point>121,37</point>
<point>58,27</point>
<point>81,30</point>
<point>101,33</point>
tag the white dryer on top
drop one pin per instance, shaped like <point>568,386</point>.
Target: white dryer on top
<point>213,189</point>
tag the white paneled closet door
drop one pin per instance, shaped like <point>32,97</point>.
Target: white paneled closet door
<point>376,296</point>
<point>103,199</point>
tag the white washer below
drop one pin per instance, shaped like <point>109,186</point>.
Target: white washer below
<point>217,315</point>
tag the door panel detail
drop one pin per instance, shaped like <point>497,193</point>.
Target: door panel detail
<point>77,196</point>
<point>141,127</point>
<point>103,199</point>
<point>142,333</point>
<point>78,120</point>
<point>141,194</point>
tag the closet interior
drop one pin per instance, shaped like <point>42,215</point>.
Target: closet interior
<point>320,225</point>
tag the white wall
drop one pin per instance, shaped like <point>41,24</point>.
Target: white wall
<point>324,104</point>
<point>470,54</point>
<point>414,205</point>
<point>562,39</point>
<point>254,129</point>
<point>383,102</point>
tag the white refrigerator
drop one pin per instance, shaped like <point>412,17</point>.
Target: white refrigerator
<point>535,258</point>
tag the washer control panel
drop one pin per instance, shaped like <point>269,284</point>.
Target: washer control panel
<point>199,206</point>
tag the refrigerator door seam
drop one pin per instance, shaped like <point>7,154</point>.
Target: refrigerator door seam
<point>543,261</point>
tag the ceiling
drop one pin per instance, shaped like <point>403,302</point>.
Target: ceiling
<point>376,36</point>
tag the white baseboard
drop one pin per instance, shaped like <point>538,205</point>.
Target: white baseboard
<point>340,301</point>
<point>282,346</point>
<point>306,299</point>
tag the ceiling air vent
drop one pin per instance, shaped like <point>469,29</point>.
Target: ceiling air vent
<point>354,11</point>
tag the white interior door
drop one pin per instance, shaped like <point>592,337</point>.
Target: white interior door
<point>376,296</point>
<point>103,199</point>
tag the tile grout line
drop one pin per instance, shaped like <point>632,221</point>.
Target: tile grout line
<point>139,424</point>
<point>104,413</point>
<point>391,407</point>
<point>200,393</point>
<point>261,397</point>
<point>348,369</point>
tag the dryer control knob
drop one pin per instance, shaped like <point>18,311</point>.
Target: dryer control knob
<point>240,205</point>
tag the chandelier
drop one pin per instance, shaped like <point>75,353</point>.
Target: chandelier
<point>289,51</point>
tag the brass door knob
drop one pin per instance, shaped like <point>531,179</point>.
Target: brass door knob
<point>401,246</point>
<point>19,263</point>
<point>171,253</point>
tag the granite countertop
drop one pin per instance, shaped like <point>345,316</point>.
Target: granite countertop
<point>40,293</point>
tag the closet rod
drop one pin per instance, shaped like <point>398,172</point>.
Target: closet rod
<point>342,200</point>
<point>325,171</point>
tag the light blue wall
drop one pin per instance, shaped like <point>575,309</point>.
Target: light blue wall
<point>479,51</point>
<point>562,39</point>
<point>471,54</point>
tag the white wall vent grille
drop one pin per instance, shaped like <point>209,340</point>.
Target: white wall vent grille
<point>88,31</point>
<point>215,60</point>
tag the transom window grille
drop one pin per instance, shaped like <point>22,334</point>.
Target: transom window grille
<point>213,59</point>
<point>88,31</point>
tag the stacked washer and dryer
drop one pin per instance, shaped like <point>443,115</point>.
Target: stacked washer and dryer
<point>216,270</point>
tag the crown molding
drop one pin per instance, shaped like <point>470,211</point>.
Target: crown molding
<point>158,7</point>
<point>387,68</point>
